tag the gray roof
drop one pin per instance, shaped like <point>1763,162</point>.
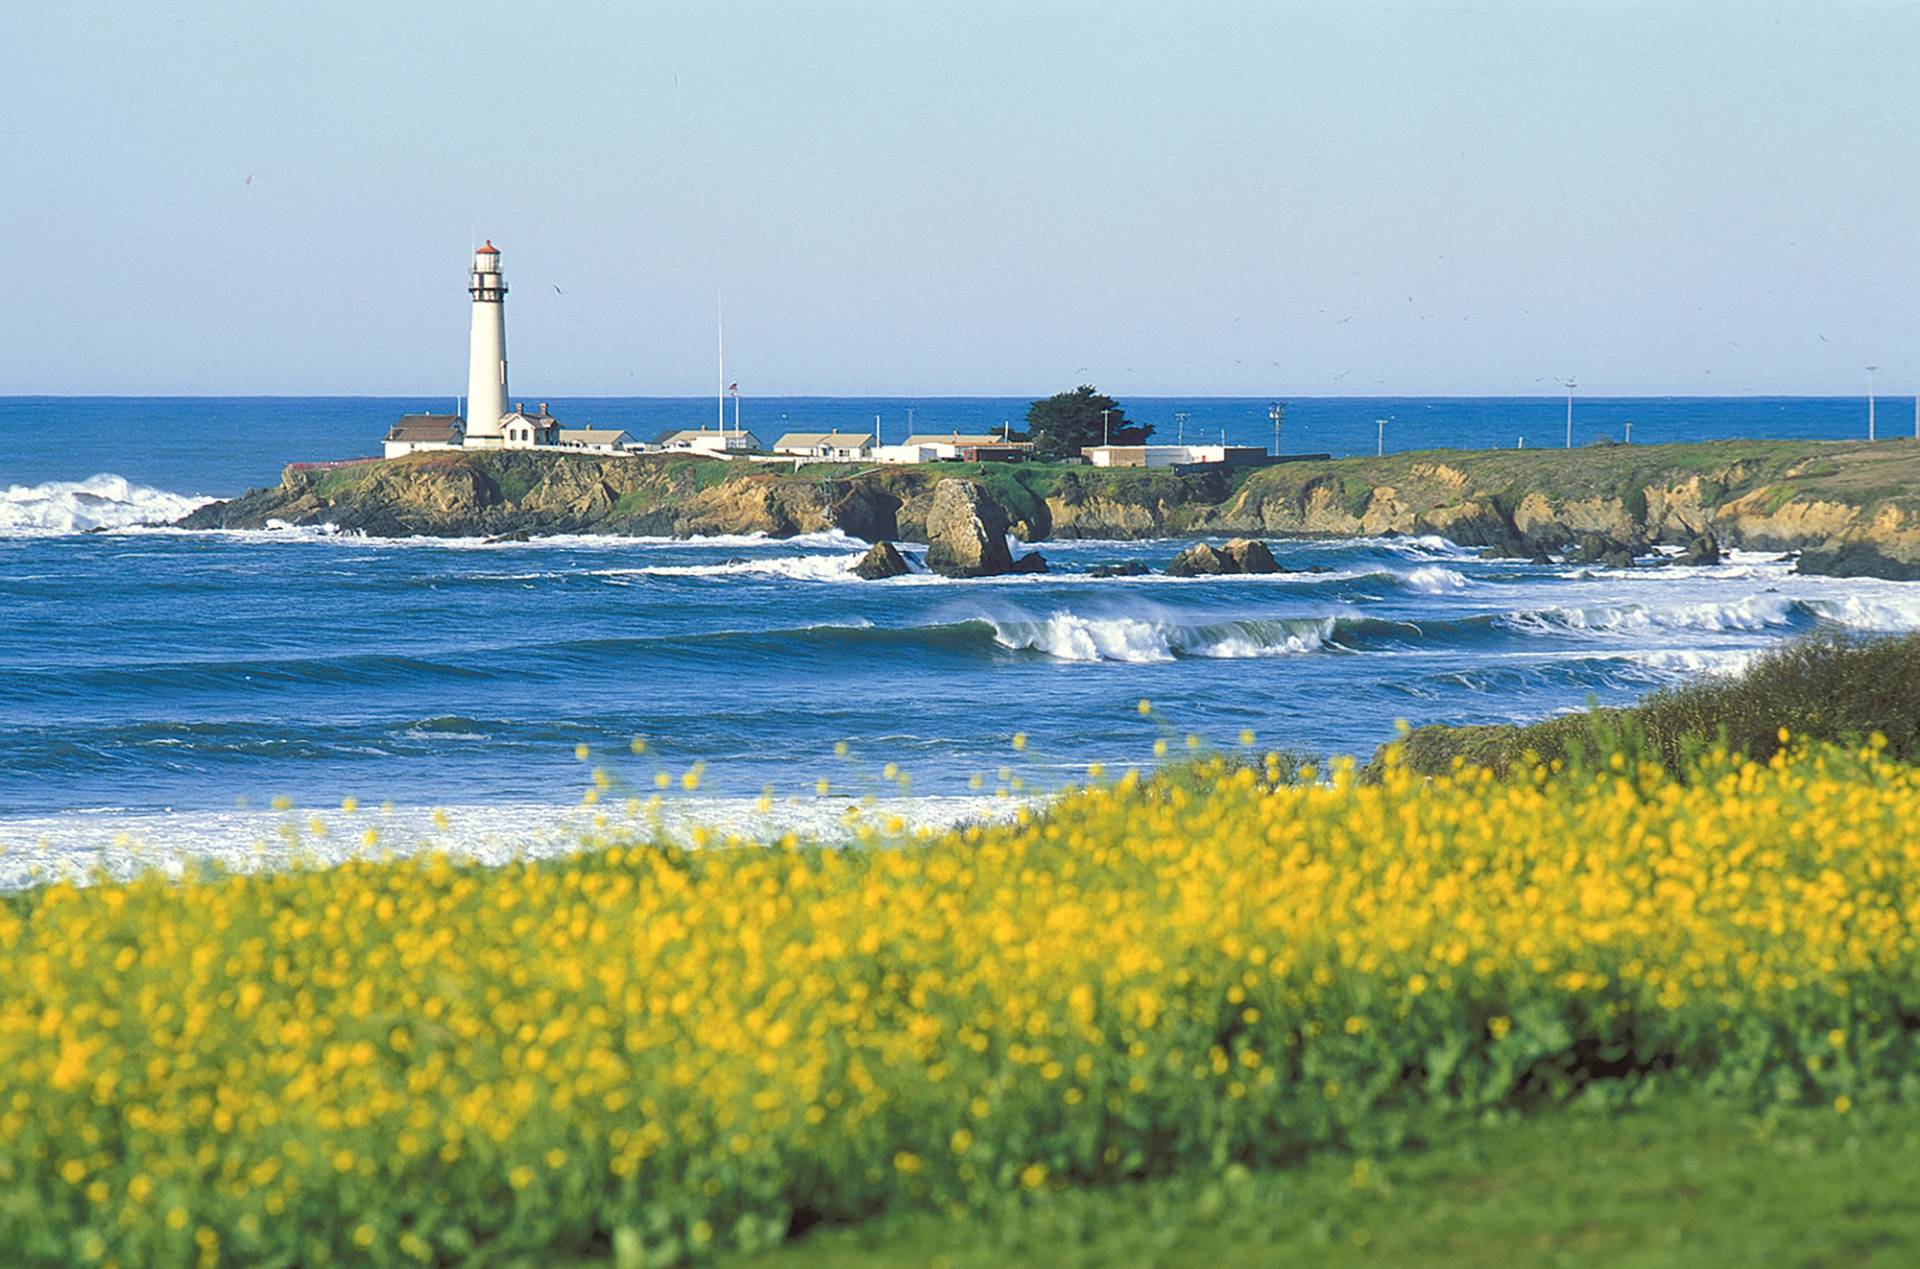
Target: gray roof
<point>959,438</point>
<point>593,435</point>
<point>831,440</point>
<point>426,427</point>
<point>740,436</point>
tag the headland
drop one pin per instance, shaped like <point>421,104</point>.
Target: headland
<point>1850,508</point>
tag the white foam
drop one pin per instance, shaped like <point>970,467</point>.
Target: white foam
<point>1137,641</point>
<point>806,568</point>
<point>79,846</point>
<point>1723,662</point>
<point>1751,613</point>
<point>103,501</point>
<point>1884,610</point>
<point>1434,580</point>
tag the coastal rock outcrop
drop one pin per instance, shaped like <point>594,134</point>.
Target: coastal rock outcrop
<point>966,532</point>
<point>1598,548</point>
<point>1240,555</point>
<point>882,561</point>
<point>1856,559</point>
<point>1702,551</point>
<point>1811,496</point>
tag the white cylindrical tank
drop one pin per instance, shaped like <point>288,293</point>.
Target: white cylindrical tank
<point>487,350</point>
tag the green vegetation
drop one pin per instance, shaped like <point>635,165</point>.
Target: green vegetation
<point>1062,424</point>
<point>1830,686</point>
<point>1194,985</point>
<point>1677,1183</point>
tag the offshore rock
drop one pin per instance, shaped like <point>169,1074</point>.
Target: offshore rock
<point>882,561</point>
<point>966,532</point>
<point>1031,562</point>
<point>1598,548</point>
<point>1240,555</point>
<point>1856,559</point>
<point>1128,568</point>
<point>1702,551</point>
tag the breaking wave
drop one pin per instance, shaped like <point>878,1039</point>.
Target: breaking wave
<point>99,502</point>
<point>1069,637</point>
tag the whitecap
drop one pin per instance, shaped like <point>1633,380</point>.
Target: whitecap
<point>103,501</point>
<point>1137,641</point>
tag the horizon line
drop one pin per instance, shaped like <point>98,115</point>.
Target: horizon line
<point>977,396</point>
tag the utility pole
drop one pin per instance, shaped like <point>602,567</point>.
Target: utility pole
<point>1180,417</point>
<point>1106,428</point>
<point>1571,385</point>
<point>1277,412</point>
<point>1380,437</point>
<point>1870,370</point>
<point>876,431</point>
<point>1629,431</point>
<point>909,420</point>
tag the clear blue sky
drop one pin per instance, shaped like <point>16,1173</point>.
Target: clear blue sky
<point>979,197</point>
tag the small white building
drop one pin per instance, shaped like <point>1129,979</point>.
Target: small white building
<point>713,443</point>
<point>831,447</point>
<point>949,447</point>
<point>417,432</point>
<point>521,430</point>
<point>1171,455</point>
<point>600,440</point>
<point>963,447</point>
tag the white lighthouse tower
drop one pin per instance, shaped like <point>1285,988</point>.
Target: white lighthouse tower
<point>487,351</point>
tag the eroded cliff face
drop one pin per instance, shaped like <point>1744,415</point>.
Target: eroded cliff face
<point>1768,495</point>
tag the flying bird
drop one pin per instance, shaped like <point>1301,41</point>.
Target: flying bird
<point>249,179</point>
<point>557,290</point>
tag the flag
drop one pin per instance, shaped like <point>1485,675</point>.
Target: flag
<point>734,388</point>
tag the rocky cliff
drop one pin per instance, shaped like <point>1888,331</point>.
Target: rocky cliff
<point>1836,500</point>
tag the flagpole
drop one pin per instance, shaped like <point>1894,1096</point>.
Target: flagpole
<point>720,335</point>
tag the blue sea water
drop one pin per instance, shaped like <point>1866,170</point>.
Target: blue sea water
<point>159,688</point>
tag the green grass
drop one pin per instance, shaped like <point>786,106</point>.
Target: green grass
<point>1837,687</point>
<point>1675,1183</point>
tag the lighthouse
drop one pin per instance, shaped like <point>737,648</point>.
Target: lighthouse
<point>487,349</point>
<point>489,424</point>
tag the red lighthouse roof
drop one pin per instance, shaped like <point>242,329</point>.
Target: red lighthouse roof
<point>488,250</point>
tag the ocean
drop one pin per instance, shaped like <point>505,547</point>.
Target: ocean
<point>167,697</point>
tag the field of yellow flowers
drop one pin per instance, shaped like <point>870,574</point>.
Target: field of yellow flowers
<point>656,1052</point>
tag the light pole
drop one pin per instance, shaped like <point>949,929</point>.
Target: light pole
<point>1278,413</point>
<point>1571,385</point>
<point>1180,418</point>
<point>1629,431</point>
<point>1106,428</point>
<point>1380,436</point>
<point>1870,370</point>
